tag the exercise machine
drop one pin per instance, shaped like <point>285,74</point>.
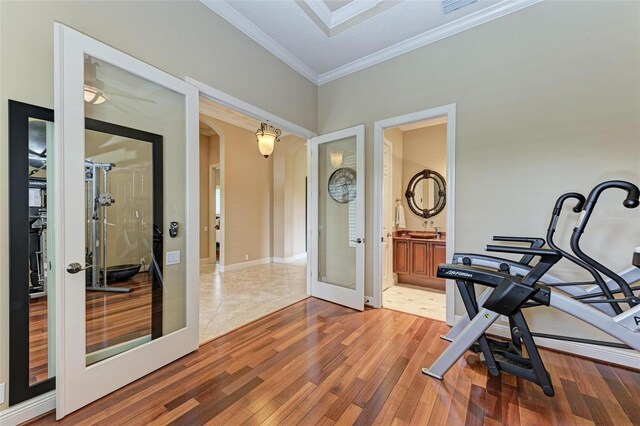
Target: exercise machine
<point>98,199</point>
<point>508,295</point>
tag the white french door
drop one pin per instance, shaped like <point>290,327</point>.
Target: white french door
<point>125,164</point>
<point>337,217</point>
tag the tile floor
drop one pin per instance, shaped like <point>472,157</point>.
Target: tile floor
<point>231,299</point>
<point>415,300</point>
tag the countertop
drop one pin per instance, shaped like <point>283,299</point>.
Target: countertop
<point>405,235</point>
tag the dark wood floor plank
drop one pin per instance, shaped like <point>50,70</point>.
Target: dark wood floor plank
<point>323,364</point>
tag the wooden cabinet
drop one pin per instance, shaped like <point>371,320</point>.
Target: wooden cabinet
<point>420,258</point>
<point>416,261</point>
<point>401,256</point>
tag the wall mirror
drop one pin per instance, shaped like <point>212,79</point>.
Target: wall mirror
<point>124,240</point>
<point>426,193</point>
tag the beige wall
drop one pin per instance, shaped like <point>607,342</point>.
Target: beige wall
<point>247,185</point>
<point>289,172</point>
<point>548,101</point>
<point>204,195</point>
<point>183,38</point>
<point>209,155</point>
<point>424,148</point>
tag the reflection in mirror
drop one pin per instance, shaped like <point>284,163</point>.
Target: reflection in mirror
<point>119,183</point>
<point>40,360</point>
<point>31,353</point>
<point>426,193</point>
<point>126,167</point>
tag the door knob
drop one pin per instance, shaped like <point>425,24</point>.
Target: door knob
<point>358,240</point>
<point>75,267</point>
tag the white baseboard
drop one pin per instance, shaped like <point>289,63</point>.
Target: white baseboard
<point>623,357</point>
<point>289,259</point>
<point>247,264</point>
<point>28,410</point>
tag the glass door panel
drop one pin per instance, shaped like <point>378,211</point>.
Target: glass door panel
<point>338,204</point>
<point>130,268</point>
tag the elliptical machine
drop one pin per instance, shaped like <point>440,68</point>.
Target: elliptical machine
<point>508,295</point>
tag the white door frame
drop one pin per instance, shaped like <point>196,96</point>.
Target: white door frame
<point>72,376</point>
<point>212,209</point>
<point>236,104</point>
<point>391,203</point>
<point>378,141</point>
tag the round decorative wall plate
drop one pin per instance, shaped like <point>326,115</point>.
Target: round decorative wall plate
<point>342,185</point>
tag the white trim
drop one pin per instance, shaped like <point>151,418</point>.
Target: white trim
<point>289,259</point>
<point>247,264</point>
<point>623,357</point>
<point>236,19</point>
<point>232,102</point>
<point>454,27</point>
<point>350,11</point>
<point>28,409</point>
<point>340,16</point>
<point>321,10</point>
<point>378,142</point>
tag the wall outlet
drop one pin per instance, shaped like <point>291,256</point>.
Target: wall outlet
<point>1,393</point>
<point>173,257</point>
<point>246,257</point>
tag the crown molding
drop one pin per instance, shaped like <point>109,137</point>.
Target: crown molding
<point>321,10</point>
<point>454,27</point>
<point>222,8</point>
<point>232,16</point>
<point>350,10</point>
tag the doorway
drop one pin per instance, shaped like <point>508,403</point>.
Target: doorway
<point>253,252</point>
<point>414,159</point>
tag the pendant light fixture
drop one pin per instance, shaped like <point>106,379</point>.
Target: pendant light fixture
<point>267,136</point>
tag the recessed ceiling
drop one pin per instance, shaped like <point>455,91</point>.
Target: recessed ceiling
<point>328,39</point>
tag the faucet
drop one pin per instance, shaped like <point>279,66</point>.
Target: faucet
<point>437,229</point>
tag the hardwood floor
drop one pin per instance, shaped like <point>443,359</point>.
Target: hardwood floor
<point>112,318</point>
<point>319,363</point>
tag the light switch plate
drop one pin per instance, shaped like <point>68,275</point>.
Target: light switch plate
<point>173,257</point>
<point>1,393</point>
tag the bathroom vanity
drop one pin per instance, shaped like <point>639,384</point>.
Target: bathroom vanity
<point>416,256</point>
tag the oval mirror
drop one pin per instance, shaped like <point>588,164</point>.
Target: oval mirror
<point>426,193</point>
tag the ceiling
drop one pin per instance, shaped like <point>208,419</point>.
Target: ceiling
<point>229,116</point>
<point>328,39</point>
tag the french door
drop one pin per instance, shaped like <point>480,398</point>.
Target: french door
<point>337,217</point>
<point>125,164</point>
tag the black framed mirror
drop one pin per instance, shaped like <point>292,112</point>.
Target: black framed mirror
<point>136,182</point>
<point>426,193</point>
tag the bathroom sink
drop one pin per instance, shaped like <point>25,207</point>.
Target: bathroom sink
<point>423,235</point>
